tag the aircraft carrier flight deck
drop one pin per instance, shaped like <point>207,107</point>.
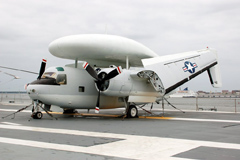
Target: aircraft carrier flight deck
<point>171,134</point>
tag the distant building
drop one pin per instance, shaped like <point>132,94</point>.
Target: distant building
<point>236,92</point>
<point>201,92</point>
<point>225,92</point>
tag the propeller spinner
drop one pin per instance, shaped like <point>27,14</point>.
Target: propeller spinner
<point>101,80</point>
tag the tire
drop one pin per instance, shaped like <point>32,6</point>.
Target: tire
<point>37,115</point>
<point>132,112</point>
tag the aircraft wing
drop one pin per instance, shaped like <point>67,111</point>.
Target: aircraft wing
<point>171,71</point>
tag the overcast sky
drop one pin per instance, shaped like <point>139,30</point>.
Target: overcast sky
<point>167,27</point>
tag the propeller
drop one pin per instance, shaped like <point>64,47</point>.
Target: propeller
<point>42,68</point>
<point>101,80</point>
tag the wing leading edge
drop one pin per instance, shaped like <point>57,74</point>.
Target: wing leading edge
<point>175,70</point>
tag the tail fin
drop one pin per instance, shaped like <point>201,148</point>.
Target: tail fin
<point>215,74</point>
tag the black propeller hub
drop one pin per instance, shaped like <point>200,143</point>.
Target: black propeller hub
<point>101,79</point>
<point>102,84</point>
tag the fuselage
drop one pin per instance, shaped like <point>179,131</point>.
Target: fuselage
<point>69,87</point>
<point>79,90</point>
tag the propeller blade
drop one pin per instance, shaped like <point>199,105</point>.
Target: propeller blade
<point>42,69</point>
<point>113,73</point>
<point>90,70</point>
<point>98,102</point>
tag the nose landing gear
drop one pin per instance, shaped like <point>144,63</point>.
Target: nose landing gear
<point>36,113</point>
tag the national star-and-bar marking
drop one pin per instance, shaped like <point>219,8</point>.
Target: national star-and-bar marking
<point>190,67</point>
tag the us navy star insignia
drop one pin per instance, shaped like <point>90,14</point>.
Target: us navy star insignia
<point>190,67</point>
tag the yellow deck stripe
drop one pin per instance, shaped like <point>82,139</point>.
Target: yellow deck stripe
<point>109,115</point>
<point>99,115</point>
<point>147,117</point>
<point>86,114</point>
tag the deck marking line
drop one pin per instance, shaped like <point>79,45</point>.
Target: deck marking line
<point>132,147</point>
<point>191,119</point>
<point>148,117</point>
<point>9,123</point>
<point>14,110</point>
<point>206,120</point>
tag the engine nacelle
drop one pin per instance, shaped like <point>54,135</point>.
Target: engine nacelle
<point>127,85</point>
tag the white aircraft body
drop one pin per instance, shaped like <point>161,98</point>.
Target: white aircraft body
<point>145,77</point>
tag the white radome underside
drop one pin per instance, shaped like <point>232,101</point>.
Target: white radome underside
<point>100,50</point>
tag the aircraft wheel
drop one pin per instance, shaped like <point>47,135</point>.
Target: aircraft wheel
<point>132,112</point>
<point>37,115</point>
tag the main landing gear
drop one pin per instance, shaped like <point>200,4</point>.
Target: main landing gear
<point>132,112</point>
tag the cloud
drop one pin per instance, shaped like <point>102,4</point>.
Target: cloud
<point>166,27</point>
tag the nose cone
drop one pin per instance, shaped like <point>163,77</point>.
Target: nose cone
<point>32,92</point>
<point>37,92</point>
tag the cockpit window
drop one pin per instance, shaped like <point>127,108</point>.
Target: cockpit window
<point>49,75</point>
<point>56,78</point>
<point>61,79</point>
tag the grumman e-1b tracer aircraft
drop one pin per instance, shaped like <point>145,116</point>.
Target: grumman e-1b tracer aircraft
<point>115,72</point>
